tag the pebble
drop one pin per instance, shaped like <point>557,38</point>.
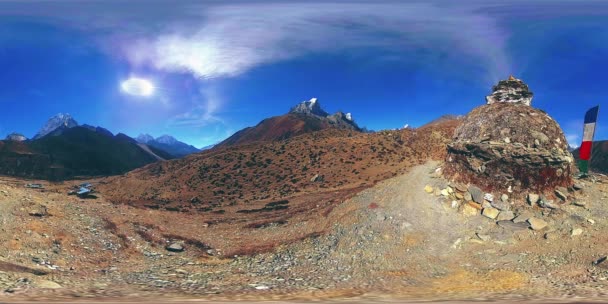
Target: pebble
<point>175,247</point>
<point>428,189</point>
<point>533,198</point>
<point>537,224</point>
<point>445,192</point>
<point>576,231</point>
<point>262,287</point>
<point>483,237</point>
<point>580,203</point>
<point>551,235</point>
<point>524,216</point>
<point>504,197</point>
<point>488,197</point>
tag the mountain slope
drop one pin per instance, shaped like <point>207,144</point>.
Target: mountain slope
<point>306,117</point>
<point>75,151</point>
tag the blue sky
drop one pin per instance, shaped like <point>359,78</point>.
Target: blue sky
<point>219,66</point>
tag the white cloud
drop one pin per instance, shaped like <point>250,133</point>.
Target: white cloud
<point>231,39</point>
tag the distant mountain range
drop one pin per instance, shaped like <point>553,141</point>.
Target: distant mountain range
<point>169,144</point>
<point>306,117</point>
<point>64,149</point>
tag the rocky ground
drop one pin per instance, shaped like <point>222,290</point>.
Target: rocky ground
<point>409,237</point>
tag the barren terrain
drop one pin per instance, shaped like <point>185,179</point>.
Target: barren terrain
<point>390,241</point>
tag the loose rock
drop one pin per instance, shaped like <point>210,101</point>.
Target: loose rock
<point>476,194</point>
<point>533,198</point>
<point>537,224</point>
<point>576,231</point>
<point>491,213</point>
<point>175,247</point>
<point>562,193</point>
<point>428,189</point>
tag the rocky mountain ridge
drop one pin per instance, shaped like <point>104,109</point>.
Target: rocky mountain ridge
<point>307,116</point>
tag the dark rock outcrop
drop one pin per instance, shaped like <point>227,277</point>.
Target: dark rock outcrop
<point>508,145</point>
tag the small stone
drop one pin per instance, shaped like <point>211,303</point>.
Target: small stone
<point>175,247</point>
<point>577,187</point>
<point>437,192</point>
<point>601,262</point>
<point>507,140</point>
<point>536,223</point>
<point>562,193</point>
<point>46,284</point>
<point>428,189</point>
<point>533,198</point>
<point>576,231</point>
<point>591,221</point>
<point>450,190</point>
<point>468,210</point>
<point>315,178</point>
<point>547,203</point>
<point>455,204</point>
<point>488,197</point>
<point>580,203</point>
<point>38,210</point>
<point>262,287</point>
<point>486,204</point>
<point>459,195</point>
<point>491,213</point>
<point>504,197</point>
<point>476,194</point>
<point>505,216</point>
<point>483,237</point>
<point>475,205</point>
<point>551,235</point>
<point>445,192</point>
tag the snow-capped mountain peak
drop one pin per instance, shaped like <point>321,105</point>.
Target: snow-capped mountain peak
<point>60,120</point>
<point>309,107</point>
<point>166,139</point>
<point>144,138</point>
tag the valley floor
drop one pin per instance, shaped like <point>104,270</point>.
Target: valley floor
<point>392,242</point>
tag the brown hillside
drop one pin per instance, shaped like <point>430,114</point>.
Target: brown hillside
<point>278,128</point>
<point>230,182</point>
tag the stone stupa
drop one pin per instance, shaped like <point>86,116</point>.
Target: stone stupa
<point>507,145</point>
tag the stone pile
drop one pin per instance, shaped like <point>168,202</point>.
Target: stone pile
<point>508,146</point>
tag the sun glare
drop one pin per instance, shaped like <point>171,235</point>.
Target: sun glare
<point>138,87</point>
